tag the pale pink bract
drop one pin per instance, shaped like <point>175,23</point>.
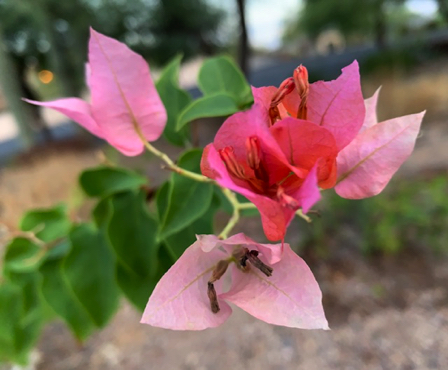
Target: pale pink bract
<point>124,99</point>
<point>290,297</point>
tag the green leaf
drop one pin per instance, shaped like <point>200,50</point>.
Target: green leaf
<point>60,297</point>
<point>48,224</point>
<point>102,213</point>
<point>216,105</point>
<point>187,199</point>
<point>221,75</point>
<point>90,271</point>
<point>10,314</point>
<point>29,284</point>
<point>103,181</point>
<point>132,233</point>
<point>26,336</point>
<point>138,289</point>
<point>22,255</point>
<point>181,240</point>
<point>175,100</point>
<point>28,325</point>
<point>162,196</point>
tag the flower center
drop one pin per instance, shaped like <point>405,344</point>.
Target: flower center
<point>240,256</point>
<point>258,178</point>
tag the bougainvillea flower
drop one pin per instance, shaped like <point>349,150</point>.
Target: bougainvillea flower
<point>270,283</point>
<point>367,164</point>
<point>281,150</point>
<point>259,170</point>
<point>124,100</point>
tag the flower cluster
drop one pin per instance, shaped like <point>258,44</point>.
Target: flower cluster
<point>300,138</point>
<point>293,142</point>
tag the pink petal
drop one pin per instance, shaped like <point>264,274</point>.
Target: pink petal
<point>290,297</point>
<point>309,193</point>
<point>179,301</point>
<point>87,74</point>
<point>263,95</point>
<point>368,163</point>
<point>338,105</point>
<point>371,118</point>
<point>124,97</point>
<point>76,109</point>
<point>303,142</point>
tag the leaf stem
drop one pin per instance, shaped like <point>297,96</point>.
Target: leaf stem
<point>169,163</point>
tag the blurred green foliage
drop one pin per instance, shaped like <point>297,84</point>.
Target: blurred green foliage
<point>53,34</point>
<point>77,270</point>
<point>407,214</point>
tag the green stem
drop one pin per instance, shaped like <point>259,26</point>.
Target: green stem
<point>237,206</point>
<point>304,216</point>
<point>169,163</point>
<point>235,215</point>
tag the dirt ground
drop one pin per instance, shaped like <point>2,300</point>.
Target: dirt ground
<point>384,312</point>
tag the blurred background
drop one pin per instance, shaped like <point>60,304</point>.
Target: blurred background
<point>382,262</point>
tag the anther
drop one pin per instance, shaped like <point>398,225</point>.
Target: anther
<point>228,156</point>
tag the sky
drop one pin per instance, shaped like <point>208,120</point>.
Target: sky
<point>266,18</point>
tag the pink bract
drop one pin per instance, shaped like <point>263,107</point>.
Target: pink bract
<point>290,297</point>
<point>295,156</point>
<point>368,163</point>
<point>123,94</point>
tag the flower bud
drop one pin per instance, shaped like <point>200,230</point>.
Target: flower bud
<point>302,85</point>
<point>286,87</point>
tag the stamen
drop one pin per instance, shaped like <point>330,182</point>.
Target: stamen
<point>274,115</point>
<point>253,151</point>
<point>286,200</point>
<point>219,270</point>
<point>228,156</point>
<point>211,292</point>
<point>217,273</point>
<point>252,257</point>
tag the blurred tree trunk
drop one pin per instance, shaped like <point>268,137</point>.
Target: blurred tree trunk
<point>443,9</point>
<point>380,25</point>
<point>9,81</point>
<point>244,51</point>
